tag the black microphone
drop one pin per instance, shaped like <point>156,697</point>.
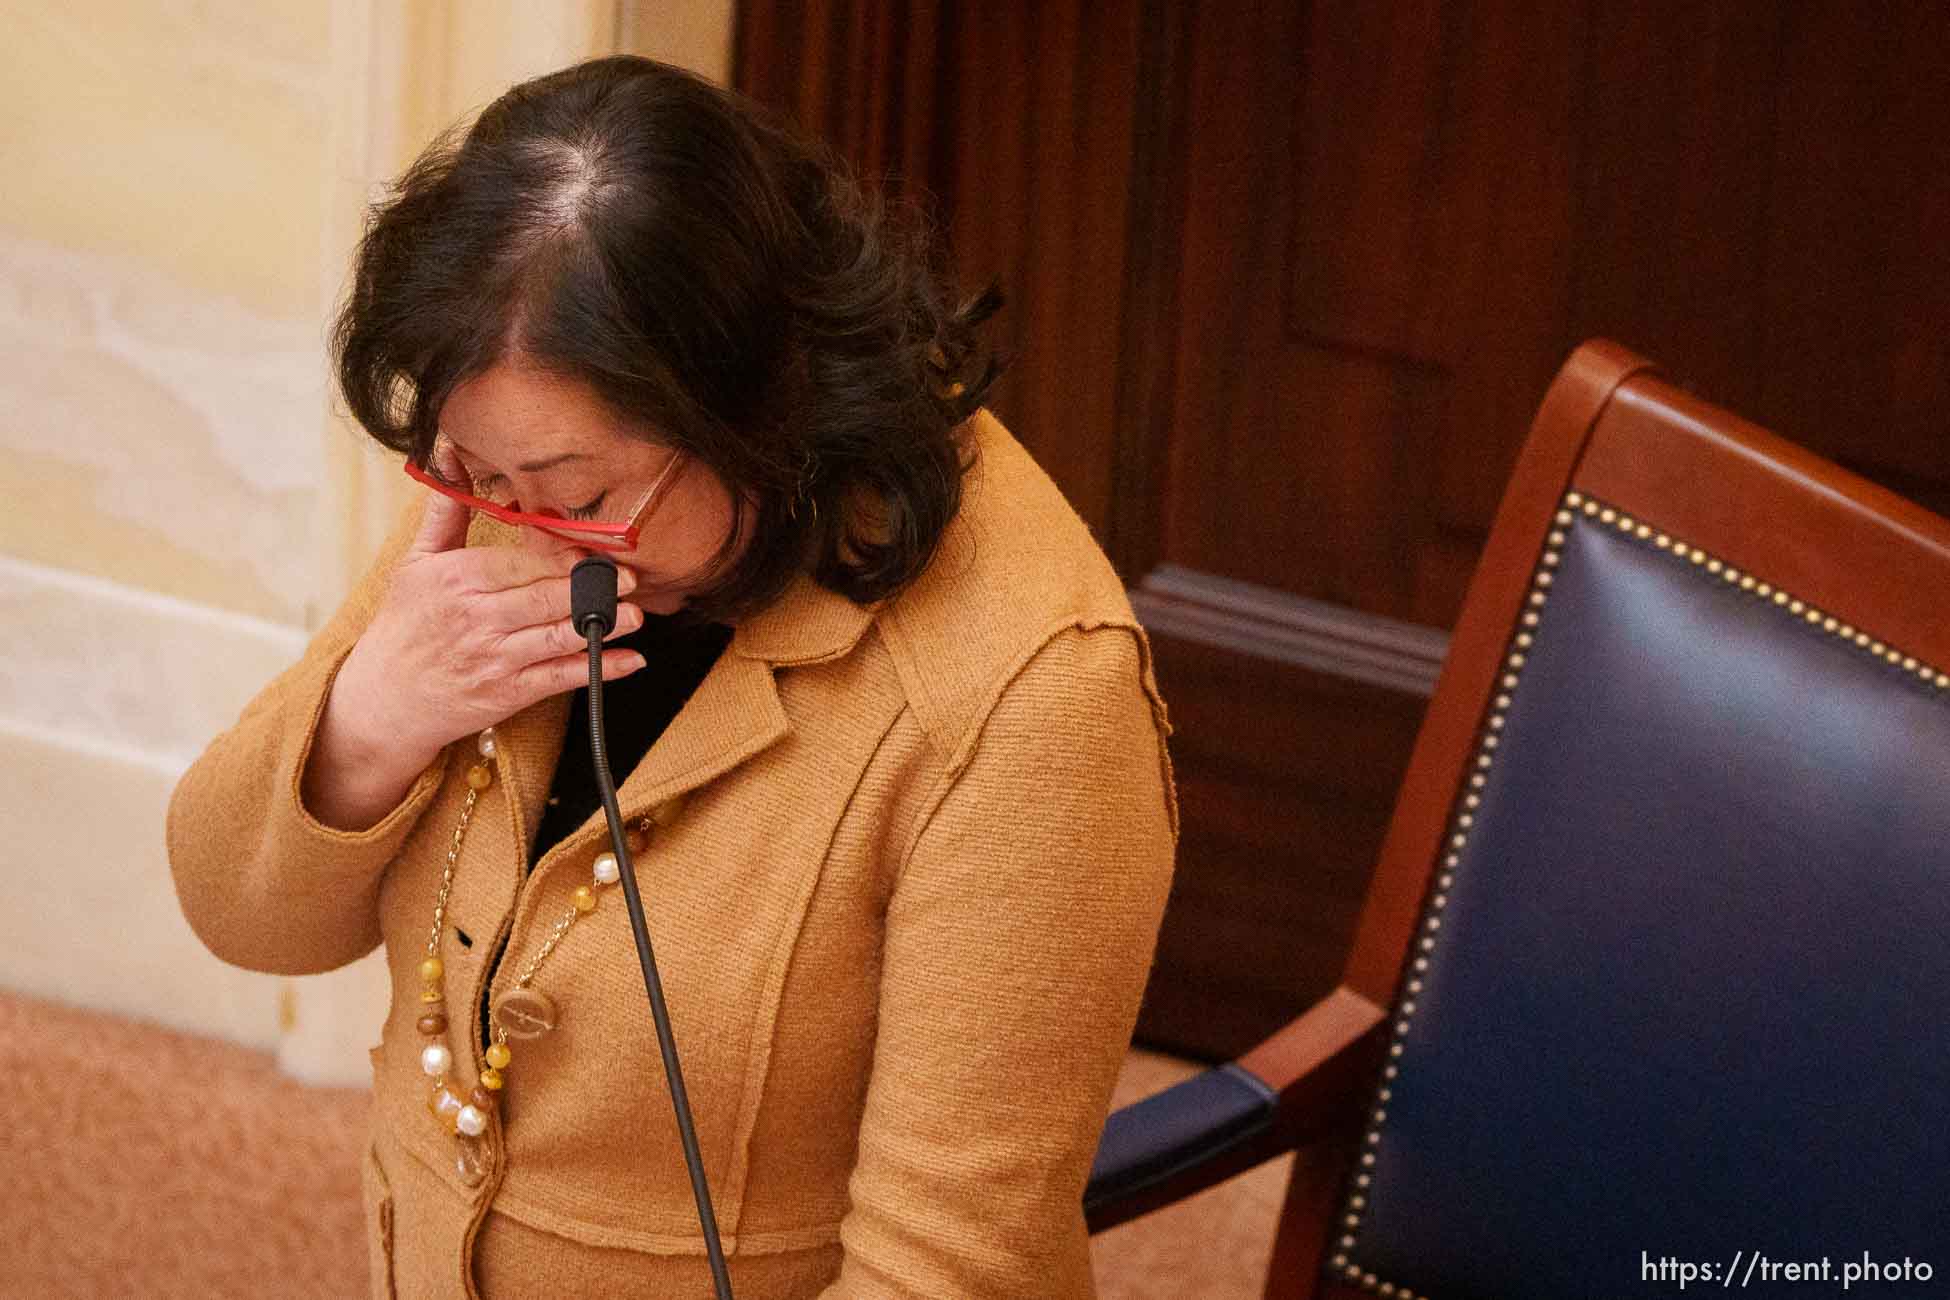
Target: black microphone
<point>592,608</point>
<point>592,594</point>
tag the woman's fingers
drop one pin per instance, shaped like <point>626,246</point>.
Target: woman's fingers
<point>498,568</point>
<point>559,638</point>
<point>444,525</point>
<point>543,600</point>
<point>554,676</point>
<point>483,631</point>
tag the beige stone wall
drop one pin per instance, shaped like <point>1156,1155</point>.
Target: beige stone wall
<point>185,182</point>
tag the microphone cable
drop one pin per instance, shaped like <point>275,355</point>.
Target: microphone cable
<point>592,604</point>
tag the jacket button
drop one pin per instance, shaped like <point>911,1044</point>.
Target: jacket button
<point>523,1013</point>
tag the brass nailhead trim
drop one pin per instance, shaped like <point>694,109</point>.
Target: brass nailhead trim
<point>1573,506</point>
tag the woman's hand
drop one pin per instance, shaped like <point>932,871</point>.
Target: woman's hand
<point>464,639</point>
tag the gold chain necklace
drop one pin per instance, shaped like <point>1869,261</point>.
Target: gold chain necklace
<point>520,1012</point>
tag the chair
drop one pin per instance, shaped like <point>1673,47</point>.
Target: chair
<point>1650,983</point>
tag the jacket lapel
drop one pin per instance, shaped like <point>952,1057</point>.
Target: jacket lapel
<point>532,743</point>
<point>734,714</point>
<point>736,711</point>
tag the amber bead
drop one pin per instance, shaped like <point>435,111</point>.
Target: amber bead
<point>585,899</point>
<point>471,1161</point>
<point>434,1025</point>
<point>491,1078</point>
<point>483,1099</point>
<point>431,970</point>
<point>498,1056</point>
<point>480,777</point>
<point>444,1104</point>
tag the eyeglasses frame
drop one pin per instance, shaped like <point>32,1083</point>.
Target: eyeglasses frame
<point>616,537</point>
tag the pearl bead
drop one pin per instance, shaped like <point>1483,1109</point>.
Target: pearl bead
<point>498,1056</point>
<point>607,872</point>
<point>471,1121</point>
<point>435,1059</point>
<point>486,743</point>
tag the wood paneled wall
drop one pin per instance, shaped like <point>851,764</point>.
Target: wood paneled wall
<point>1286,282</point>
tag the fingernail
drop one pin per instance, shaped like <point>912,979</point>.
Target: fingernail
<point>625,581</point>
<point>637,661</point>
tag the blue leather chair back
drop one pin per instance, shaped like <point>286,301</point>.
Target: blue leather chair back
<point>1679,1007</point>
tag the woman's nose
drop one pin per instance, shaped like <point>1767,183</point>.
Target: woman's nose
<point>547,544</point>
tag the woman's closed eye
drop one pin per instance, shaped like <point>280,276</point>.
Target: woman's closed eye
<point>487,484</point>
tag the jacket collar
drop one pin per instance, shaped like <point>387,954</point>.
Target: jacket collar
<point>807,624</point>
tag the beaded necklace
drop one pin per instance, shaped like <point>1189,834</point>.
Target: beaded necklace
<point>520,1012</point>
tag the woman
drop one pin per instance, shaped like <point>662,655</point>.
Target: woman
<point>893,755</point>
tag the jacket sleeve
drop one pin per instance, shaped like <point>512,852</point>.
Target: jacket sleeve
<point>1019,937</point>
<point>262,883</point>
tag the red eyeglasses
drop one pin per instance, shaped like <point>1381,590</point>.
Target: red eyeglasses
<point>598,535</point>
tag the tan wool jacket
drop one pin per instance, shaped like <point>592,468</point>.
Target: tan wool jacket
<point>903,922</point>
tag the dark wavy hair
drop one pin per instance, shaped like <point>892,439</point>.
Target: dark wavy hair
<point>719,280</point>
